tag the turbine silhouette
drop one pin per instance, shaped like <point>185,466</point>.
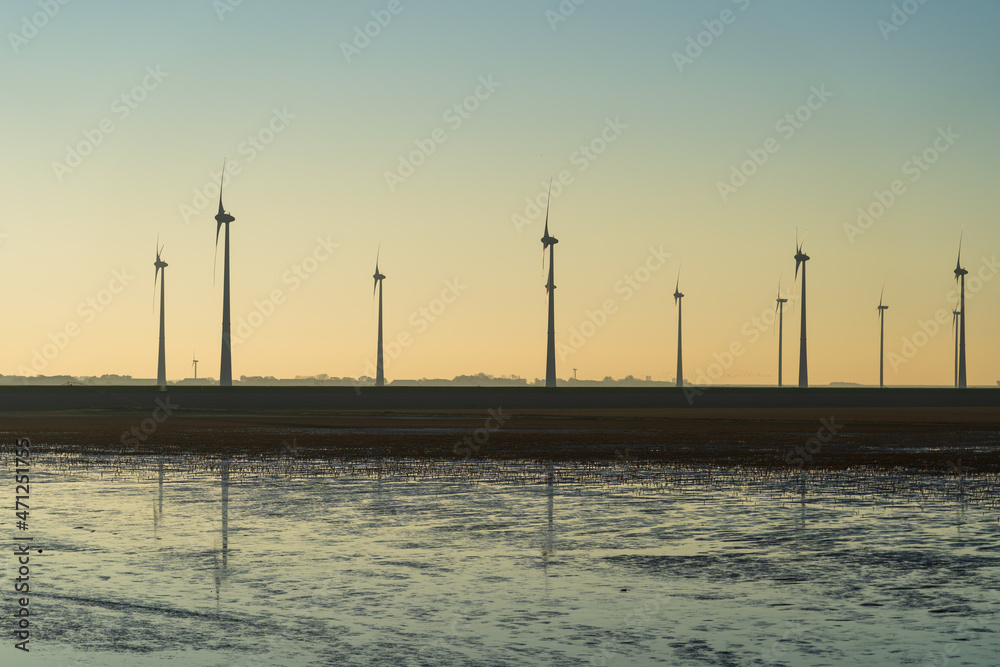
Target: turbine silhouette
<point>678,297</point>
<point>881,339</point>
<point>954,330</point>
<point>800,260</point>
<point>779,309</point>
<point>194,362</point>
<point>960,274</point>
<point>223,218</point>
<point>161,363</point>
<point>379,368</point>
<point>549,243</point>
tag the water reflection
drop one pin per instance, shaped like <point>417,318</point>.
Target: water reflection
<point>366,561</point>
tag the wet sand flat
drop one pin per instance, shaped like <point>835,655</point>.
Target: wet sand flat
<point>835,436</point>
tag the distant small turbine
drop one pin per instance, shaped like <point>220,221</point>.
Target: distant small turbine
<point>223,218</point>
<point>379,368</point>
<point>161,364</point>
<point>549,243</point>
<point>881,339</point>
<point>678,302</point>
<point>194,362</point>
<point>780,310</point>
<point>960,274</point>
<point>800,260</point>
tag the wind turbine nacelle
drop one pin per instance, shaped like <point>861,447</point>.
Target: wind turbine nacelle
<point>224,218</point>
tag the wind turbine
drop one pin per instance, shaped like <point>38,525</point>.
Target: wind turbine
<point>161,364</point>
<point>779,308</point>
<point>679,304</point>
<point>800,260</point>
<point>954,330</point>
<point>881,339</point>
<point>549,243</point>
<point>960,274</point>
<point>194,362</point>
<point>223,218</point>
<point>379,368</point>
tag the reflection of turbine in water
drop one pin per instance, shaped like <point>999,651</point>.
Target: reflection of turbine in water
<point>548,548</point>
<point>225,511</point>
<point>158,508</point>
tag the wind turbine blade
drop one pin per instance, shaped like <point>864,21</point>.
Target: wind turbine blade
<point>222,181</point>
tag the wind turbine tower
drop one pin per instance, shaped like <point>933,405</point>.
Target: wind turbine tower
<point>194,362</point>
<point>379,368</point>
<point>780,310</point>
<point>881,339</point>
<point>954,330</point>
<point>800,260</point>
<point>223,218</point>
<point>549,243</point>
<point>161,364</point>
<point>678,301</point>
<point>960,274</point>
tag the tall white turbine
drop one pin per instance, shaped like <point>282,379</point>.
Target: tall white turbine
<point>549,243</point>
<point>960,274</point>
<point>881,339</point>
<point>679,303</point>
<point>800,260</point>
<point>223,218</point>
<point>161,364</point>
<point>379,368</point>
<point>779,310</point>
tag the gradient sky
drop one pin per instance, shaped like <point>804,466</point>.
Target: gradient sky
<point>323,176</point>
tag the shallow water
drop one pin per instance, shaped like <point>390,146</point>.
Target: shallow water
<point>414,563</point>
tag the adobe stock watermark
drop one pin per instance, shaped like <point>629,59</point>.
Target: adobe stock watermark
<point>420,320</point>
<point>147,427</point>
<point>714,29</point>
<point>582,159</point>
<point>121,108</point>
<point>455,116</point>
<point>799,455</point>
<point>786,126</point>
<point>32,25</point>
<point>223,7</point>
<point>471,443</point>
<point>206,197</point>
<point>752,330</point>
<point>627,287</point>
<point>899,17</point>
<point>370,31</point>
<point>295,276</point>
<point>914,168</point>
<point>87,311</point>
<point>928,329</point>
<point>562,13</point>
